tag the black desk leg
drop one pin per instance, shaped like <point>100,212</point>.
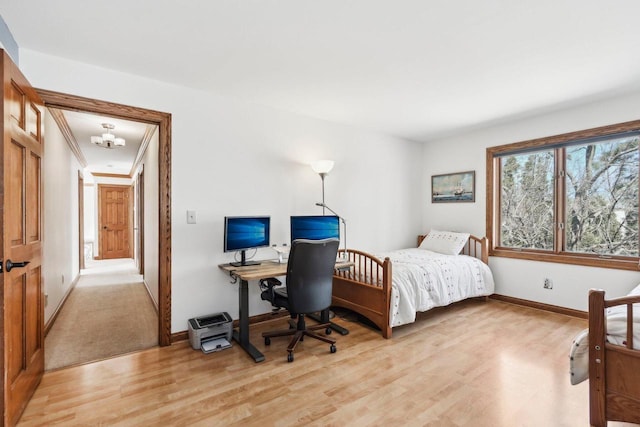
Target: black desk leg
<point>242,334</point>
<point>324,318</point>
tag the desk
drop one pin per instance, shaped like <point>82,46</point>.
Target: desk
<point>267,269</point>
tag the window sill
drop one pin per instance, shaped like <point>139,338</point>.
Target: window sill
<point>631,264</point>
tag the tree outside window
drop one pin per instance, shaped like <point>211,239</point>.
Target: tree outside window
<point>569,198</point>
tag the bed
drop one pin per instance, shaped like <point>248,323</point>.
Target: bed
<point>608,354</point>
<point>389,288</point>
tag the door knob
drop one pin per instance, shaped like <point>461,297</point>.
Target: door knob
<point>9,264</point>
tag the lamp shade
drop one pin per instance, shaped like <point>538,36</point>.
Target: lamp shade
<point>322,166</point>
<point>109,137</point>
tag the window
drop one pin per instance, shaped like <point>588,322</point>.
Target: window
<point>569,198</point>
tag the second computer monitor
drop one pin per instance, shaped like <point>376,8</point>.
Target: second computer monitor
<point>315,227</point>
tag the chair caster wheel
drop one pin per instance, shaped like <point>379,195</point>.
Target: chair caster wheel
<point>333,348</point>
<point>290,357</point>
<point>327,331</point>
<point>267,341</point>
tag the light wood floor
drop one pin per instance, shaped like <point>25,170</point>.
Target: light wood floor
<point>472,364</point>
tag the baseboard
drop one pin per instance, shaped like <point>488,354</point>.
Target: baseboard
<point>541,306</point>
<point>179,336</point>
<point>259,318</point>
<point>54,316</point>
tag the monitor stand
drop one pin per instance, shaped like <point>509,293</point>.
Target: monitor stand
<point>243,260</point>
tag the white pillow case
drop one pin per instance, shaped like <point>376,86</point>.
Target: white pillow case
<point>579,358</point>
<point>444,242</point>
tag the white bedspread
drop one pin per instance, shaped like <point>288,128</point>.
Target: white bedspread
<point>423,279</point>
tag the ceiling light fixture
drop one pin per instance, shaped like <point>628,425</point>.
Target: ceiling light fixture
<point>108,140</point>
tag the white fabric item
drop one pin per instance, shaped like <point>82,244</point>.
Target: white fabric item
<point>444,242</point>
<point>579,358</point>
<point>616,327</point>
<point>424,279</point>
<point>616,322</point>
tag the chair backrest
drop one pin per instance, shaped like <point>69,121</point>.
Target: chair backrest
<point>310,274</point>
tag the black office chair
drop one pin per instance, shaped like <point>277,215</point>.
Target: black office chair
<point>308,290</point>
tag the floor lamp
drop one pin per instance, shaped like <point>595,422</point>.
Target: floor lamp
<point>322,168</point>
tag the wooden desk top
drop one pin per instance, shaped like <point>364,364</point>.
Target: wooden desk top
<point>267,268</point>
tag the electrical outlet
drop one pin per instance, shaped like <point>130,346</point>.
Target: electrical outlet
<point>191,217</point>
<point>548,284</point>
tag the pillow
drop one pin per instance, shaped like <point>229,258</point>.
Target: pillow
<point>579,358</point>
<point>444,242</point>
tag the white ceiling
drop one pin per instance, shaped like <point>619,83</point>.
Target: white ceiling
<point>418,69</point>
<point>103,160</point>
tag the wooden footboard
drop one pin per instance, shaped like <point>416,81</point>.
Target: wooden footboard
<point>614,370</point>
<point>366,289</point>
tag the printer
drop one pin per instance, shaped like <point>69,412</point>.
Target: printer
<point>211,332</point>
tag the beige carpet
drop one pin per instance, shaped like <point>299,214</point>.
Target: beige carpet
<point>108,313</point>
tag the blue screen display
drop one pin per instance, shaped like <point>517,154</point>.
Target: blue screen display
<point>315,227</point>
<point>246,232</point>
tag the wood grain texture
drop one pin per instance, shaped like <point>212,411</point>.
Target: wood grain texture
<point>614,370</point>
<point>471,364</point>
<point>22,288</point>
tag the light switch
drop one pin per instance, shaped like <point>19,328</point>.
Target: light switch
<point>191,217</point>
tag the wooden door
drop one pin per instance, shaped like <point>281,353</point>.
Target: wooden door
<point>114,219</point>
<point>21,204</point>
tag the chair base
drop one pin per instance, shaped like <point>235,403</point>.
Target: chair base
<point>300,331</point>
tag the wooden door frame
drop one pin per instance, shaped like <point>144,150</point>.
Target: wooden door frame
<point>163,121</point>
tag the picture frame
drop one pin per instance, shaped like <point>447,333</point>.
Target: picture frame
<point>457,187</point>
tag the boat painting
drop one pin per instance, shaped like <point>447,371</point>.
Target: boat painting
<point>453,187</point>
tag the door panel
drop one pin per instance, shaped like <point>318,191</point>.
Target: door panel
<point>115,222</point>
<point>20,202</point>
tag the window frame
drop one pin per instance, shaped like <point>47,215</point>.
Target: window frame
<point>493,199</point>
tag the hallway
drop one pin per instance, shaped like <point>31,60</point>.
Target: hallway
<point>108,313</point>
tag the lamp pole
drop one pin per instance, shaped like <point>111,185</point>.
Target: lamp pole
<point>341,219</point>
<point>322,175</point>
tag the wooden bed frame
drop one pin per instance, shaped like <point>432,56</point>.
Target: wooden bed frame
<point>614,370</point>
<point>367,289</point>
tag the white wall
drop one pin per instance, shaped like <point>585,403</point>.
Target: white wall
<point>60,265</point>
<point>151,218</point>
<point>90,218</point>
<point>521,278</point>
<point>232,158</point>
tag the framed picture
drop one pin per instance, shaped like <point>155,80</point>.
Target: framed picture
<point>453,187</point>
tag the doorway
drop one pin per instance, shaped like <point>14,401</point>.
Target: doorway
<point>163,122</point>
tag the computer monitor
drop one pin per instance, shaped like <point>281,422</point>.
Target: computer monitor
<point>315,227</point>
<point>245,232</point>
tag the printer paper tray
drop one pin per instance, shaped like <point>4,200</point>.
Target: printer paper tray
<point>215,344</point>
